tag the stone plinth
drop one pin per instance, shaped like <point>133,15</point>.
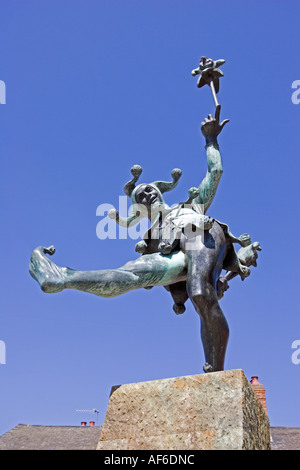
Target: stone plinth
<point>214,411</point>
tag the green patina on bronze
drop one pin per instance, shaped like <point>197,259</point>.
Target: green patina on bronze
<point>184,249</point>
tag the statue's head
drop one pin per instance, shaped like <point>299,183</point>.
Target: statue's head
<point>149,195</point>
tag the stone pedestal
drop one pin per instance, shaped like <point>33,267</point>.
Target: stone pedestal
<point>214,411</point>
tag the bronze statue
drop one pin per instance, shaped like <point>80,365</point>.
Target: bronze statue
<point>184,250</point>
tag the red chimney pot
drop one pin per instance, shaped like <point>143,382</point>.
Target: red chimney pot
<point>259,391</point>
<point>83,423</point>
<point>92,423</point>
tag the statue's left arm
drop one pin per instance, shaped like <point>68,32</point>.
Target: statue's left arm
<point>211,128</point>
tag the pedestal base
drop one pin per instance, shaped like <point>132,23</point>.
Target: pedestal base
<point>214,411</point>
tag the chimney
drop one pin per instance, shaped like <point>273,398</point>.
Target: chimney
<point>83,423</point>
<point>259,391</point>
<point>92,423</point>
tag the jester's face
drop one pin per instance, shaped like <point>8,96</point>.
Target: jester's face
<point>147,195</point>
<point>150,196</point>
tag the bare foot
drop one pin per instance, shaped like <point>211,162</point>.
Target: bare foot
<point>44,271</point>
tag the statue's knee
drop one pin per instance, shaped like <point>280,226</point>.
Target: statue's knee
<point>200,300</point>
<point>203,295</point>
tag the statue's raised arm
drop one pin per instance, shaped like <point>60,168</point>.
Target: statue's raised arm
<point>211,128</point>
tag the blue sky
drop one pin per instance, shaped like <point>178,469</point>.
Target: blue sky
<point>91,89</point>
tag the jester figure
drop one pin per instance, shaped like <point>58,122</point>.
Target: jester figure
<point>184,250</point>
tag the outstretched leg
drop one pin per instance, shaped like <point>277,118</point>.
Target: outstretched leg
<point>147,270</point>
<point>205,261</point>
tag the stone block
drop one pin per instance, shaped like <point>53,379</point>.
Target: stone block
<point>214,411</point>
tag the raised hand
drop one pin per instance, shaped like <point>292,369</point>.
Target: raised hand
<point>211,127</point>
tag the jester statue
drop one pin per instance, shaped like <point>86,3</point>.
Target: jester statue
<point>184,249</point>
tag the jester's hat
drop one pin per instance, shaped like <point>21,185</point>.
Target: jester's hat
<point>161,186</point>
<point>130,189</point>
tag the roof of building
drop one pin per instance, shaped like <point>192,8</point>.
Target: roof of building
<point>34,437</point>
<point>285,438</point>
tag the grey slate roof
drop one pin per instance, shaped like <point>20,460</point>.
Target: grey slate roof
<point>33,437</point>
<point>285,438</point>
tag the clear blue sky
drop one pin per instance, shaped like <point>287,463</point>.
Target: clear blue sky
<point>93,88</point>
